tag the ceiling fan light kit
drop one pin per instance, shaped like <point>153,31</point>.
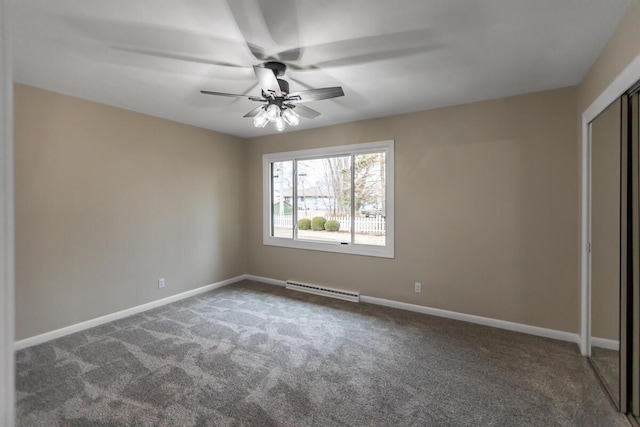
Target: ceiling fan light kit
<point>276,115</point>
<point>278,103</point>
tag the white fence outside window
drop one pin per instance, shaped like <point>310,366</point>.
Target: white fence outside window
<point>371,225</point>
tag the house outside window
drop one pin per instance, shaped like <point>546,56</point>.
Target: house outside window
<point>335,199</point>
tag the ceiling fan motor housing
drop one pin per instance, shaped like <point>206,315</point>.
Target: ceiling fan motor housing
<point>278,68</point>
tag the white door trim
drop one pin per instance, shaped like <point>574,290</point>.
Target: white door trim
<point>618,86</point>
<point>7,392</point>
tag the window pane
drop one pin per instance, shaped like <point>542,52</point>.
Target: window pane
<point>350,185</point>
<point>324,190</point>
<point>282,199</point>
<point>369,193</point>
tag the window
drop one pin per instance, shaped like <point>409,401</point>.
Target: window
<point>350,186</point>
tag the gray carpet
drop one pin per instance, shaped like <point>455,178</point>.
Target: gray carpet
<point>607,364</point>
<point>254,354</point>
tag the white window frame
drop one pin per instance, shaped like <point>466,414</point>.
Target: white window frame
<point>386,251</point>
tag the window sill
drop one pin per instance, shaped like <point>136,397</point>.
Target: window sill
<point>355,249</point>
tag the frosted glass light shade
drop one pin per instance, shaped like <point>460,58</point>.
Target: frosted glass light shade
<point>279,124</point>
<point>291,117</point>
<point>273,112</point>
<point>260,120</point>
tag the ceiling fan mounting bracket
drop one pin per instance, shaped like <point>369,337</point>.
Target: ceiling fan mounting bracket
<point>278,68</point>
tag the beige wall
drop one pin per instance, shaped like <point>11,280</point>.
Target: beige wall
<point>108,201</point>
<point>622,48</point>
<point>605,223</point>
<point>486,208</point>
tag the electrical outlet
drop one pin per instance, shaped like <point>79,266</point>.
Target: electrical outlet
<point>160,283</point>
<point>418,287</point>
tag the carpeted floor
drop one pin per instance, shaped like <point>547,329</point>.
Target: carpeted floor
<point>254,354</point>
<point>607,364</point>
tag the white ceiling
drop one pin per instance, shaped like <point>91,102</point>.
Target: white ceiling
<point>390,56</point>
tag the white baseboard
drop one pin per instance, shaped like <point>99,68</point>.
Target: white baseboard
<point>487,321</point>
<point>501,324</point>
<point>605,343</point>
<point>267,280</point>
<point>48,336</point>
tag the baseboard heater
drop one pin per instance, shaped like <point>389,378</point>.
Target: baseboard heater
<point>321,290</point>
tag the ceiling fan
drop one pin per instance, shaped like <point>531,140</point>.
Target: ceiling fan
<point>278,105</point>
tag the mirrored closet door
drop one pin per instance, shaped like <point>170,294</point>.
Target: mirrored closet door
<point>631,122</point>
<point>615,250</point>
<point>606,251</point>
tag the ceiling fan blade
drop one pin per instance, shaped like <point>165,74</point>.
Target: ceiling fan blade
<point>247,92</point>
<point>247,23</point>
<point>177,56</point>
<point>366,49</point>
<point>374,57</point>
<point>232,95</point>
<point>316,94</point>
<point>151,38</point>
<point>268,80</point>
<point>352,101</point>
<point>281,20</point>
<point>272,22</point>
<point>307,112</point>
<point>258,52</point>
<point>254,112</point>
<point>290,55</point>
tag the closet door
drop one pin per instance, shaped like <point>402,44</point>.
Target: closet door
<point>633,316</point>
<point>608,199</point>
<point>626,251</point>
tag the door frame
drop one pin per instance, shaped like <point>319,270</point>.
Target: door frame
<point>7,250</point>
<point>629,76</point>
